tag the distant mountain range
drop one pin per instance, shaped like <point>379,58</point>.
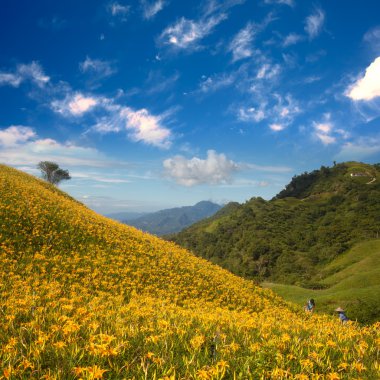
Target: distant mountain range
<point>126,215</point>
<point>172,220</point>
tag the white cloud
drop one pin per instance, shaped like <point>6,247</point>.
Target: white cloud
<point>32,72</point>
<point>277,127</point>
<point>10,79</point>
<point>214,83</point>
<point>157,82</point>
<point>251,114</point>
<point>326,139</point>
<point>119,10</point>
<point>314,23</point>
<point>291,3</point>
<point>286,109</point>
<point>367,87</point>
<point>240,45</point>
<point>372,37</point>
<point>215,169</point>
<point>279,110</point>
<point>150,9</point>
<point>215,6</point>
<point>323,127</point>
<point>187,33</point>
<point>74,104</point>
<point>96,177</point>
<point>15,134</point>
<point>361,149</point>
<point>143,126</point>
<point>324,132</point>
<point>311,79</point>
<point>21,146</point>
<point>264,168</point>
<point>292,39</point>
<point>97,67</point>
<point>268,71</point>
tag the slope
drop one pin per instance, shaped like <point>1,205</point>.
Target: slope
<point>85,297</point>
<point>290,238</point>
<point>351,280</point>
<point>173,219</point>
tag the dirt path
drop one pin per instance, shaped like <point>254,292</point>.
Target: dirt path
<point>371,181</point>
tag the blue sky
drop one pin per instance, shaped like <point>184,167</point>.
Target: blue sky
<point>153,104</point>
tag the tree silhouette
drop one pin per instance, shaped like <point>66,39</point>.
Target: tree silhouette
<point>52,173</point>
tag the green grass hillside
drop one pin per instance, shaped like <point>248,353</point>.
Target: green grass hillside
<point>84,297</point>
<point>352,280</point>
<point>293,237</point>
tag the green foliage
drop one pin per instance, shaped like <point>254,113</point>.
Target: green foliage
<point>352,280</point>
<point>52,173</point>
<point>291,238</point>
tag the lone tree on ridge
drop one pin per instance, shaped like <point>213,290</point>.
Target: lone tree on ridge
<point>52,173</point>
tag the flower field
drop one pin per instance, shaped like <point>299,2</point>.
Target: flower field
<point>84,297</point>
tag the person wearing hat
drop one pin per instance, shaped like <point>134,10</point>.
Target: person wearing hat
<point>343,317</point>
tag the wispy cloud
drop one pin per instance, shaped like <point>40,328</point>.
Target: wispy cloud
<point>326,132</point>
<point>97,67</point>
<point>119,10</point>
<point>20,145</point>
<point>15,134</point>
<point>266,168</point>
<point>32,72</point>
<point>251,114</point>
<point>279,110</point>
<point>314,23</point>
<point>214,169</point>
<point>216,82</point>
<point>150,9</point>
<point>362,148</point>
<point>372,37</point>
<point>268,71</point>
<point>368,86</point>
<point>291,3</point>
<point>98,178</point>
<point>186,34</point>
<point>323,133</point>
<point>292,39</point>
<point>241,44</point>
<point>158,83</point>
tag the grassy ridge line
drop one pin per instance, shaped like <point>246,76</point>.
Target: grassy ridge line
<point>352,280</point>
<point>83,297</point>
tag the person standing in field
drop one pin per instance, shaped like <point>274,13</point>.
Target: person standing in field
<point>310,305</point>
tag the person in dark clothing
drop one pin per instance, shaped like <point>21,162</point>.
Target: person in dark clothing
<point>310,305</point>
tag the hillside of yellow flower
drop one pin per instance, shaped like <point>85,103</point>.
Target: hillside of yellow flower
<point>84,297</point>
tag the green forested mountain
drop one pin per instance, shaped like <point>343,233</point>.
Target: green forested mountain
<point>289,239</point>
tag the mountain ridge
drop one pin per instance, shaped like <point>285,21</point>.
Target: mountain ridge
<point>174,219</point>
<point>290,238</point>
